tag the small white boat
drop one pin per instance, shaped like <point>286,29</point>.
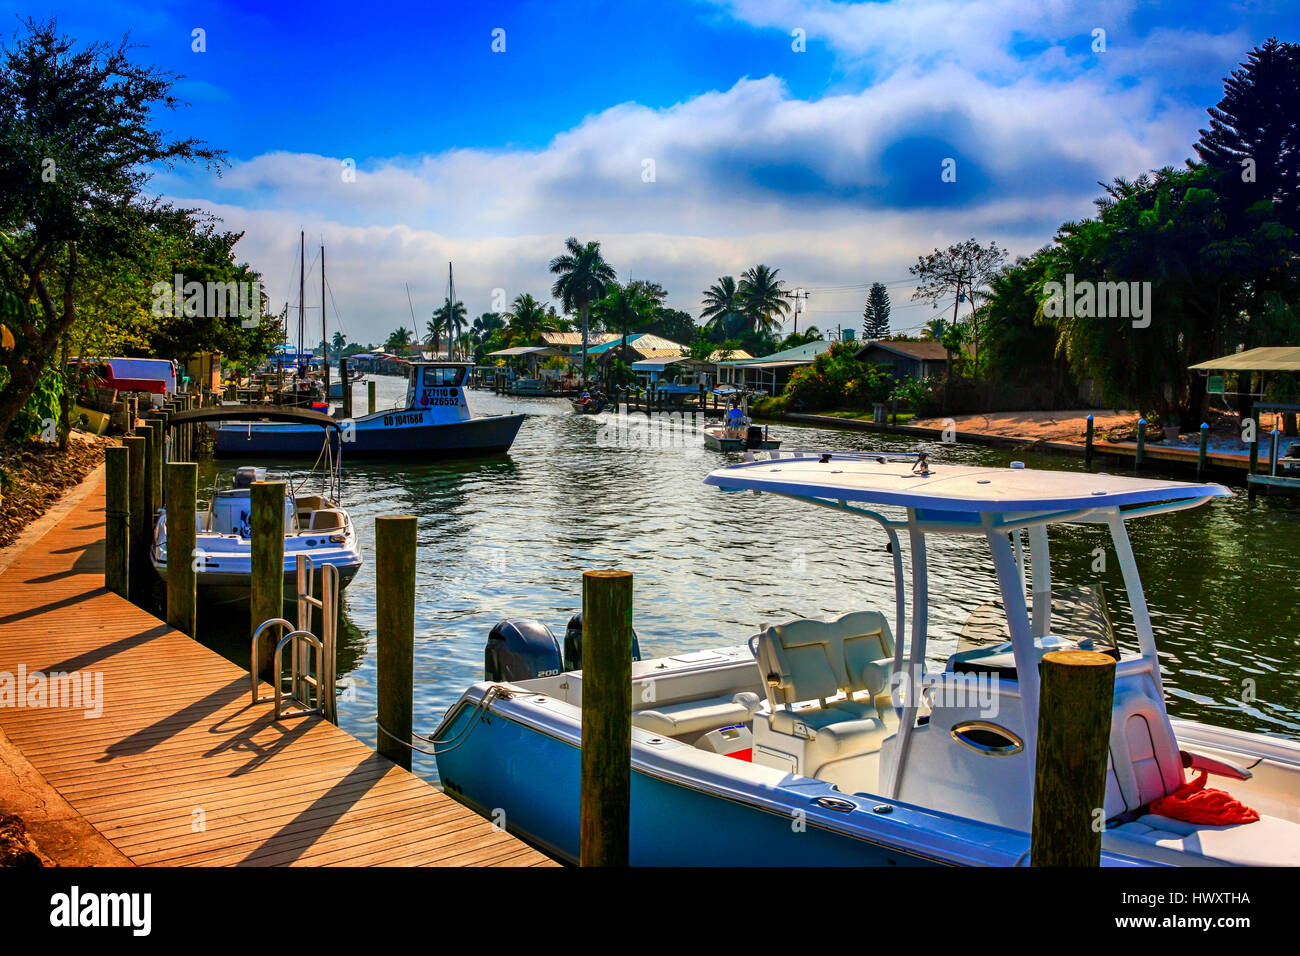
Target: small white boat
<point>846,727</point>
<point>314,524</point>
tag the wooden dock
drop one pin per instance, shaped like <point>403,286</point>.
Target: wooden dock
<point>181,768</point>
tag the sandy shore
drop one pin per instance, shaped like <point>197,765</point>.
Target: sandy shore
<point>1064,426</point>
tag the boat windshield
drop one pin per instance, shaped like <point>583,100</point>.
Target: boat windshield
<point>441,376</point>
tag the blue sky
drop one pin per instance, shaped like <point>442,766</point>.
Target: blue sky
<point>824,162</point>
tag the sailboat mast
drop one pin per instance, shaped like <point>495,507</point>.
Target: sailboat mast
<point>451,308</point>
<point>302,279</point>
<point>324,340</point>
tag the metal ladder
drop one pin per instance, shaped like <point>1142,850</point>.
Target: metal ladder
<point>312,661</point>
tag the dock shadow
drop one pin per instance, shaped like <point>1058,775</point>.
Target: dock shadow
<point>174,723</point>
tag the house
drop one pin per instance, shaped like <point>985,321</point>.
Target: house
<point>906,359</point>
<point>640,345</point>
<point>771,373</point>
<point>569,344</point>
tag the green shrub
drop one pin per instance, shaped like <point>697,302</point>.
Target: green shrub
<point>43,405</point>
<point>837,380</point>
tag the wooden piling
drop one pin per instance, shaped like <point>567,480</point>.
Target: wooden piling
<point>605,825</point>
<point>155,436</point>
<point>395,633</point>
<point>1254,441</point>
<point>1141,443</point>
<point>266,594</point>
<point>1087,443</point>
<point>141,533</point>
<point>370,392</point>
<point>1204,450</point>
<point>126,415</point>
<point>182,492</point>
<point>345,383</point>
<point>117,519</point>
<point>1077,690</point>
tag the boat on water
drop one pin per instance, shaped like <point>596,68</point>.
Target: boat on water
<point>315,525</point>
<point>737,432</point>
<point>592,403</point>
<point>434,421</point>
<point>845,726</point>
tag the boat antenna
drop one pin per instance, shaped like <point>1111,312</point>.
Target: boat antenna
<point>415,330</point>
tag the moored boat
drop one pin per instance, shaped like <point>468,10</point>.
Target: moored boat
<point>841,726</point>
<point>434,422</point>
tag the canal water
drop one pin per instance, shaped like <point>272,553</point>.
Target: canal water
<point>510,537</point>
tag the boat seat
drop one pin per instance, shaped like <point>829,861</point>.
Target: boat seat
<point>1269,841</point>
<point>827,662</point>
<point>694,718</point>
<point>326,519</point>
<point>1145,761</point>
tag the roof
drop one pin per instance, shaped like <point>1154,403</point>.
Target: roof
<point>924,351</point>
<point>950,488</point>
<point>801,354</point>
<point>643,342</point>
<point>526,350</point>
<point>731,355</point>
<point>575,338</point>
<point>1268,359</point>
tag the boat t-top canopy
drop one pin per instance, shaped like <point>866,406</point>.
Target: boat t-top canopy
<point>937,489</point>
<point>253,413</point>
<point>1275,358</point>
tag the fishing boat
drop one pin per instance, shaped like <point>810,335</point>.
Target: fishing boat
<point>738,433</point>
<point>843,727</point>
<point>434,421</point>
<point>593,404</point>
<point>314,524</point>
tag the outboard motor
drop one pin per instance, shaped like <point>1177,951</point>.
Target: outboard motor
<point>247,474</point>
<point>754,436</point>
<point>521,650</point>
<point>573,644</point>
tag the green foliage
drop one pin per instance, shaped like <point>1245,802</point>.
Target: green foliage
<point>837,380</point>
<point>922,395</point>
<point>43,405</point>
<point>875,317</point>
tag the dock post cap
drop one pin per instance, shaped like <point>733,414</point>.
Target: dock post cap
<point>1142,421</point>
<point>1079,658</point>
<point>1089,416</point>
<point>607,573</point>
<point>1205,425</point>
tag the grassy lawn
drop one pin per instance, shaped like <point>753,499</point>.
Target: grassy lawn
<point>903,417</point>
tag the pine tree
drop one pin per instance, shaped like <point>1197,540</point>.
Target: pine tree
<point>875,317</point>
<point>1253,143</point>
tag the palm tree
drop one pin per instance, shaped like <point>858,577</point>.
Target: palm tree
<point>338,341</point>
<point>528,319</point>
<point>933,330</point>
<point>722,307</point>
<point>625,306</point>
<point>439,322</point>
<point>763,298</point>
<point>398,339</point>
<point>583,276</point>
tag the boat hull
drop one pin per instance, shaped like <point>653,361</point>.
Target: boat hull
<point>404,435</point>
<point>505,765</point>
<point>235,586</point>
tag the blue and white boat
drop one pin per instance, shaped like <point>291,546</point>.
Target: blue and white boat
<point>434,421</point>
<point>830,742</point>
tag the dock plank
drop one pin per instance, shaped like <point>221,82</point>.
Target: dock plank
<point>178,734</point>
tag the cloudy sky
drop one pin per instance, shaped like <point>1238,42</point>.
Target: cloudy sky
<point>692,138</point>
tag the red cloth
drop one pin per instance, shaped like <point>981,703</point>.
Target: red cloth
<point>1194,803</point>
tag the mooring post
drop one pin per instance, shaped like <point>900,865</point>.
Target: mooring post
<point>126,414</point>
<point>395,633</point>
<point>155,436</point>
<point>1254,441</point>
<point>1203,453</point>
<point>117,520</point>
<point>370,392</point>
<point>182,492</point>
<point>345,383</point>
<point>605,825</point>
<point>1141,443</point>
<point>266,597</point>
<point>1077,690</point>
<point>1087,444</point>
<point>140,531</point>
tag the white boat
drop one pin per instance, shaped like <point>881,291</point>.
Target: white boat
<point>314,524</point>
<point>839,725</point>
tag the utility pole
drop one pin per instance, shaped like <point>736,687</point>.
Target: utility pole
<point>800,296</point>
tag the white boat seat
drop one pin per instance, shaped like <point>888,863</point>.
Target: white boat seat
<point>816,660</point>
<point>1269,841</point>
<point>844,729</point>
<point>327,519</point>
<point>693,718</point>
<point>1145,762</point>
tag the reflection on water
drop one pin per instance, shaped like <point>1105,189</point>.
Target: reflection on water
<point>511,536</point>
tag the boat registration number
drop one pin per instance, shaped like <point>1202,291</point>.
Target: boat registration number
<point>439,396</point>
<point>405,418</point>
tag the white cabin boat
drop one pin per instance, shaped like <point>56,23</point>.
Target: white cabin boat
<point>844,725</point>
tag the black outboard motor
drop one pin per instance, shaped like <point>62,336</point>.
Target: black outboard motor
<point>754,436</point>
<point>521,650</point>
<point>573,644</point>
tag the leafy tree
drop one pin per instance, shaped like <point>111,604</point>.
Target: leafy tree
<point>763,298</point>
<point>583,275</point>
<point>77,145</point>
<point>1252,147</point>
<point>399,339</point>
<point>1017,341</point>
<point>837,379</point>
<point>875,317</point>
<point>961,271</point>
